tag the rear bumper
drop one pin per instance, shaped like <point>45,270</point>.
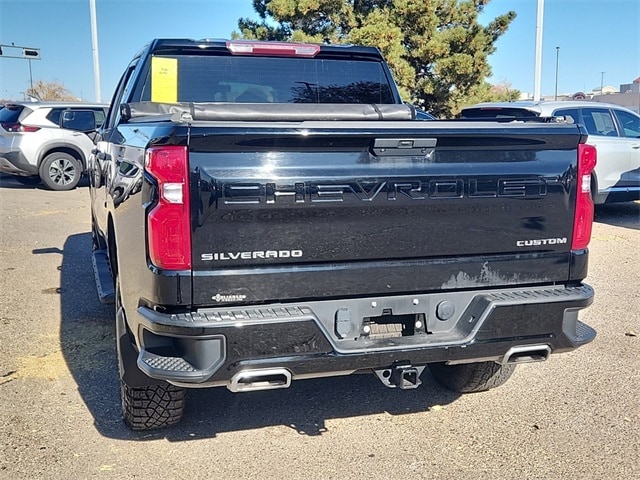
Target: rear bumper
<point>211,347</point>
<point>618,194</point>
<point>15,163</point>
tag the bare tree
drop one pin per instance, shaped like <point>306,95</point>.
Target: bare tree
<point>50,91</point>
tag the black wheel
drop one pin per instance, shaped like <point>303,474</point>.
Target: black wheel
<point>471,377</point>
<point>151,407</point>
<point>144,407</point>
<point>60,171</point>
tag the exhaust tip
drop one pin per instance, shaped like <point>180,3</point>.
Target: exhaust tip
<point>527,354</point>
<point>265,379</point>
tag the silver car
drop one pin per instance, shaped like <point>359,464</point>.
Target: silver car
<point>613,130</point>
<point>48,141</point>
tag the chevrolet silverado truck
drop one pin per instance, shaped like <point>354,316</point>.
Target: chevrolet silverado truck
<point>264,213</point>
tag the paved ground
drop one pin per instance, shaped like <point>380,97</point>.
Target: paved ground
<point>576,416</point>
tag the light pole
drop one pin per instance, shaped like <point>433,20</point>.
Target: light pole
<point>538,61</point>
<point>557,57</point>
<point>94,48</point>
<point>602,83</point>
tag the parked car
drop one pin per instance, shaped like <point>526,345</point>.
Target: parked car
<point>613,130</point>
<point>48,141</point>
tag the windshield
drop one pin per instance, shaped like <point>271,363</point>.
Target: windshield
<point>199,78</point>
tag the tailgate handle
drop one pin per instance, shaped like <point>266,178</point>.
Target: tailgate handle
<point>422,147</point>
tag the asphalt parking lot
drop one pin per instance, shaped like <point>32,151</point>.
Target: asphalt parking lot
<point>576,416</point>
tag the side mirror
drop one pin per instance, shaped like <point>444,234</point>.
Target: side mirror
<point>79,120</point>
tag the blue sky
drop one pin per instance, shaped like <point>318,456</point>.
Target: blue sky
<point>594,36</point>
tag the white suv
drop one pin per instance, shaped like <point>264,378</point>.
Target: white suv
<point>613,130</point>
<point>48,141</point>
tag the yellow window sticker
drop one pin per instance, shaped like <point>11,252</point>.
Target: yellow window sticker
<point>164,80</point>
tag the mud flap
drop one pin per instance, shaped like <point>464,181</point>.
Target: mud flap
<point>128,355</point>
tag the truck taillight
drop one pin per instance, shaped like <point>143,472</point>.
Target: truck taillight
<point>280,49</point>
<point>583,219</point>
<point>169,222</point>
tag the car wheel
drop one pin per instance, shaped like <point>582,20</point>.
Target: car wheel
<point>151,407</point>
<point>471,377</point>
<point>145,407</point>
<point>60,171</point>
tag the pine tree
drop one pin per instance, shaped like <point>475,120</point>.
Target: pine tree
<point>437,50</point>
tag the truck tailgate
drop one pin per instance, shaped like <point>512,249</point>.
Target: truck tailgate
<point>312,209</point>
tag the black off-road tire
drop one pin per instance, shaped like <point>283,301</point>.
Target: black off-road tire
<point>152,406</point>
<point>471,377</point>
<point>145,407</point>
<point>60,171</point>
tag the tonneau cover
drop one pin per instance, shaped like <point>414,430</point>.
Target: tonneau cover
<point>267,112</point>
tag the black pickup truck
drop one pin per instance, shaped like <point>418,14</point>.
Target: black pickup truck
<point>270,212</point>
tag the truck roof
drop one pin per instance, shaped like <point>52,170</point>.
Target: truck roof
<point>163,44</point>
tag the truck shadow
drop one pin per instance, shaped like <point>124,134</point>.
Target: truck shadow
<point>31,183</point>
<point>87,340</point>
<point>625,215</point>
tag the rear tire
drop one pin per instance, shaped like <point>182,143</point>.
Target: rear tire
<point>60,171</point>
<point>144,407</point>
<point>471,377</point>
<point>152,406</point>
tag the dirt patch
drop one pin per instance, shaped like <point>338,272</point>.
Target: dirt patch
<point>48,367</point>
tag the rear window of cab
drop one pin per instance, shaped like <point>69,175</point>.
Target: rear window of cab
<point>237,79</point>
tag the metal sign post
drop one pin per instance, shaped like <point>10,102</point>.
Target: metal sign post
<point>26,53</point>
